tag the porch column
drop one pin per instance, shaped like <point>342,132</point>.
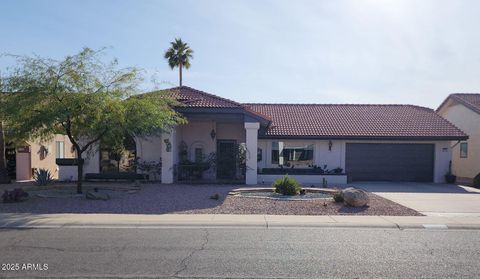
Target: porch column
<point>252,142</point>
<point>169,147</point>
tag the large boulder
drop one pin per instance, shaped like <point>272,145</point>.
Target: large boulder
<point>92,195</point>
<point>355,197</point>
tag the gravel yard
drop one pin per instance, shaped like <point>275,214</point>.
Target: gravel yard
<point>194,199</point>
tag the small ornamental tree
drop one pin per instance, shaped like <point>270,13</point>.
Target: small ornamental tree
<point>84,98</point>
<point>4,178</point>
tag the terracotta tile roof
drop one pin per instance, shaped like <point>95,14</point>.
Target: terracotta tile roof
<point>334,121</point>
<point>199,99</point>
<point>470,100</point>
<point>356,121</point>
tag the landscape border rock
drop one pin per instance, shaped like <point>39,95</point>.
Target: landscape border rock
<point>355,197</point>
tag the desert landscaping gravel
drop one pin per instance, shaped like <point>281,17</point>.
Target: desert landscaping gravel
<point>195,199</point>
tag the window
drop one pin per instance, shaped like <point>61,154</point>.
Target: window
<point>292,154</point>
<point>463,150</point>
<point>198,155</point>
<point>60,150</point>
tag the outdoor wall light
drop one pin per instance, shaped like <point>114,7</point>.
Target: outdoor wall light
<point>168,145</point>
<point>330,145</point>
<point>213,134</point>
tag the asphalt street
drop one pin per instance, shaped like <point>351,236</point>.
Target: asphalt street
<point>240,253</point>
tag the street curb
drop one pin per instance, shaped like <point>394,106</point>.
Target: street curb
<point>13,221</point>
<point>238,226</point>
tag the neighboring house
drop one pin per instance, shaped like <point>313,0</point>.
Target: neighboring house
<point>463,110</point>
<point>24,159</point>
<point>257,143</point>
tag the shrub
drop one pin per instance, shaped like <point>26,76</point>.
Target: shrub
<point>476,181</point>
<point>15,195</point>
<point>42,177</point>
<point>338,196</point>
<point>286,186</point>
<point>337,170</point>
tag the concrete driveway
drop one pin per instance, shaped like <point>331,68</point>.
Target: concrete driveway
<point>428,198</point>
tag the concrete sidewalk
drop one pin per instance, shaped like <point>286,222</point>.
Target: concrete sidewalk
<point>13,220</point>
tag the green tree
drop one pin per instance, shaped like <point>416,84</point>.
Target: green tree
<point>4,178</point>
<point>84,98</point>
<point>179,55</point>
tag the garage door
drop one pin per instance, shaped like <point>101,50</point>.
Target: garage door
<point>389,162</point>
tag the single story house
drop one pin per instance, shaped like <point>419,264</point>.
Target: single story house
<point>463,110</point>
<point>226,141</point>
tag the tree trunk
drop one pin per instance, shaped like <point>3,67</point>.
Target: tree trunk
<point>4,178</point>
<point>79,172</point>
<point>180,73</point>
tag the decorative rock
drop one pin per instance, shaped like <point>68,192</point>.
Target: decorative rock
<point>91,195</point>
<point>355,197</point>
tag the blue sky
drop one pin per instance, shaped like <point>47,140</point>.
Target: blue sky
<point>384,51</point>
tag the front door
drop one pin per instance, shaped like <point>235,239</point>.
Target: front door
<point>10,156</point>
<point>226,159</point>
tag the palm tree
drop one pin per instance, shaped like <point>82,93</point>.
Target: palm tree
<point>178,55</point>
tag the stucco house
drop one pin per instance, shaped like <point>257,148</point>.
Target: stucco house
<point>463,110</point>
<point>257,143</point>
<point>24,159</point>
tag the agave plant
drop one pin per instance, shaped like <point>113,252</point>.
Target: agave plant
<point>42,177</point>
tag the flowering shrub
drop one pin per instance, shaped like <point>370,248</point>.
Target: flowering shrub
<point>15,195</point>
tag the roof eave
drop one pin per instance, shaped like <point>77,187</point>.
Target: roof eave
<point>459,100</point>
<point>389,138</point>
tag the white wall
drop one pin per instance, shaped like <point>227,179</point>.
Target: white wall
<point>442,156</point>
<point>322,156</point>
<point>305,180</point>
<point>92,160</point>
<point>336,157</point>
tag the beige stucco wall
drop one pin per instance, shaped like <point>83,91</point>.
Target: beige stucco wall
<point>469,122</point>
<point>196,134</point>
<point>149,148</point>
<point>28,161</point>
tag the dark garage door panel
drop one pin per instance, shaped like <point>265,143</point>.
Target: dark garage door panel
<point>389,162</point>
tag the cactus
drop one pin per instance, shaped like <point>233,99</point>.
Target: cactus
<point>42,177</point>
